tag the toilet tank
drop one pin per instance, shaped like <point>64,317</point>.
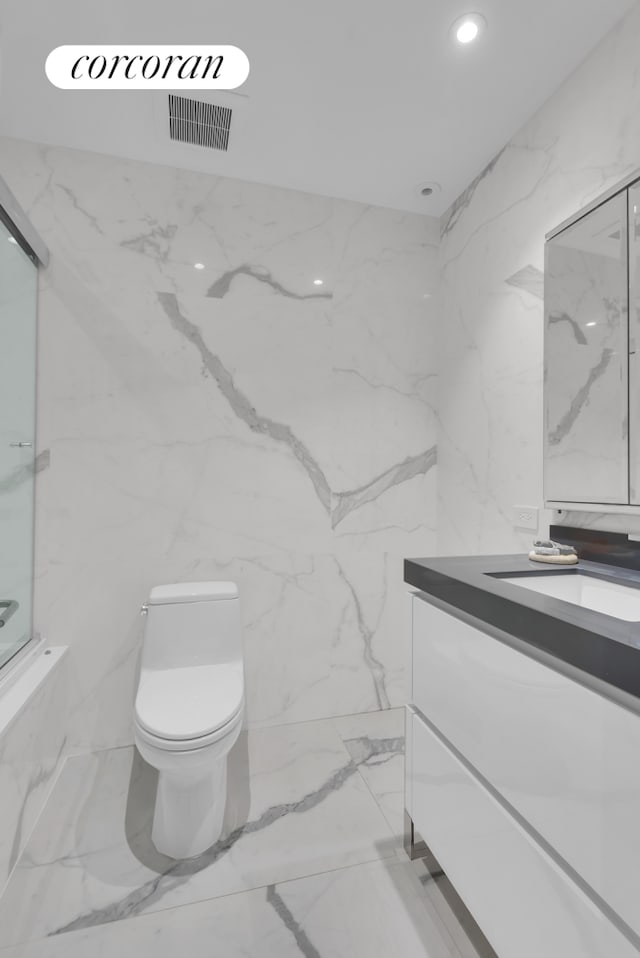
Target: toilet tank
<point>192,623</point>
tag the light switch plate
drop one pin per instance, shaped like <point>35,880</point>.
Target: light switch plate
<point>525,517</point>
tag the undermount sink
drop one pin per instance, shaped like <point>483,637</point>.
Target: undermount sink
<point>588,591</point>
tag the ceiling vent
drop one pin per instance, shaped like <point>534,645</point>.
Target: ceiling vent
<point>200,123</point>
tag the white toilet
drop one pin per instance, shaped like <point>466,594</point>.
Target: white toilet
<point>189,708</point>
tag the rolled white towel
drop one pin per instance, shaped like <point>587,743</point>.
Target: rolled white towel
<point>554,560</point>
<point>546,547</point>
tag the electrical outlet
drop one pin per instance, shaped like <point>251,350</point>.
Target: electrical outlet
<point>525,517</point>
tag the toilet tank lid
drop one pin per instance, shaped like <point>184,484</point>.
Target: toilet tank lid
<point>192,592</point>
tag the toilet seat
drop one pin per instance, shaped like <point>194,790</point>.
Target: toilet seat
<point>190,745</point>
<point>189,707</point>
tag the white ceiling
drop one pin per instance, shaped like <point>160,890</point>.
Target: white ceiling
<point>361,99</point>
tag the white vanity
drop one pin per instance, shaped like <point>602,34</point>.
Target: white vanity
<point>523,752</point>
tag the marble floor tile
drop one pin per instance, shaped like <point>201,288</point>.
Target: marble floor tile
<point>372,910</point>
<point>297,806</point>
<point>375,741</point>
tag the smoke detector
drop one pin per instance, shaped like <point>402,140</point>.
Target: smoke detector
<point>428,190</point>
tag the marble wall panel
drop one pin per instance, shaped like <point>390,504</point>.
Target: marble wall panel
<point>32,750</point>
<point>234,420</point>
<point>582,141</point>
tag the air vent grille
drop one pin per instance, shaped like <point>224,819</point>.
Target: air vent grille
<point>203,124</point>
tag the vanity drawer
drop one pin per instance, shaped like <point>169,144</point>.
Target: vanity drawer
<point>526,906</point>
<point>566,758</point>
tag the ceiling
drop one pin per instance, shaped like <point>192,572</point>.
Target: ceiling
<point>360,99</point>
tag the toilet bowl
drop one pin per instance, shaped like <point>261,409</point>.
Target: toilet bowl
<point>189,709</point>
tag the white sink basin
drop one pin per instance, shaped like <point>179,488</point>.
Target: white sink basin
<point>600,595</point>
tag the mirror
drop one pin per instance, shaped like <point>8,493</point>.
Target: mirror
<point>18,303</point>
<point>586,359</point>
<point>634,345</point>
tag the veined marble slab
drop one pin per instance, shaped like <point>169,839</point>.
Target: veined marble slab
<point>366,911</point>
<point>297,806</point>
<point>232,420</point>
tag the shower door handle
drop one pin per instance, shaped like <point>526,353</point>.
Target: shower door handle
<point>21,445</point>
<point>7,609</point>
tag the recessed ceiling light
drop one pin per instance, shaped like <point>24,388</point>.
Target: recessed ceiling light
<point>468,28</point>
<point>318,282</point>
<point>591,324</point>
<point>198,265</point>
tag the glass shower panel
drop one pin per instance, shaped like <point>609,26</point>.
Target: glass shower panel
<point>18,304</point>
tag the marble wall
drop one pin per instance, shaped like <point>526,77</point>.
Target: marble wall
<point>583,140</point>
<point>32,750</point>
<point>234,421</point>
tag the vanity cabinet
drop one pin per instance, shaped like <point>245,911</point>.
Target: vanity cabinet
<point>592,355</point>
<point>525,785</point>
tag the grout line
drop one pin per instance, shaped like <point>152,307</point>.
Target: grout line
<point>325,718</point>
<point>75,752</point>
<point>397,838</point>
<point>395,834</point>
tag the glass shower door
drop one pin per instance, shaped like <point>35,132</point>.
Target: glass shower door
<point>18,304</point>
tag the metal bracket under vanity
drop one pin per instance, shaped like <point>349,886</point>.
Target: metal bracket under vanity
<point>414,845</point>
<point>500,749</point>
<point>417,849</point>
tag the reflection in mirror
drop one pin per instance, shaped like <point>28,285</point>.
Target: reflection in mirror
<point>18,303</point>
<point>586,365</point>
<point>634,345</point>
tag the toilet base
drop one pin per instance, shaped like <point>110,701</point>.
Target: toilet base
<point>189,811</point>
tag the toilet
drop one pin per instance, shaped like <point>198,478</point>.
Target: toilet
<point>189,708</point>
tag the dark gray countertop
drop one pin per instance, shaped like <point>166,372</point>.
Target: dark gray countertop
<point>599,645</point>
